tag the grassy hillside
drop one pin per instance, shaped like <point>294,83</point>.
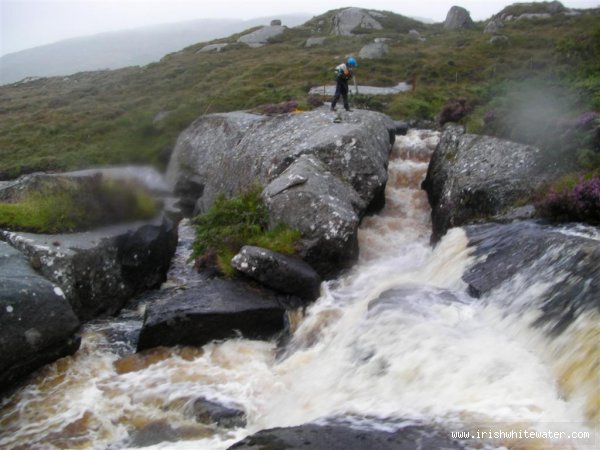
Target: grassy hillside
<point>134,115</point>
<point>117,49</point>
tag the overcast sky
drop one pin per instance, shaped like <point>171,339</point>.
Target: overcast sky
<point>30,23</point>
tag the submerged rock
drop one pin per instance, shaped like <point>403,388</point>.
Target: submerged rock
<point>206,411</point>
<point>566,258</point>
<point>152,434</point>
<point>37,324</point>
<point>347,437</point>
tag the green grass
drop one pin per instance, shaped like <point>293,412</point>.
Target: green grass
<point>229,224</point>
<point>110,117</point>
<point>68,206</point>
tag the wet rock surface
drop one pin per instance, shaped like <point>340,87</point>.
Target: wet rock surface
<point>99,270</point>
<point>325,210</point>
<point>345,437</point>
<point>37,324</point>
<point>207,411</point>
<point>474,178</point>
<point>505,250</point>
<point>213,309</point>
<point>280,272</point>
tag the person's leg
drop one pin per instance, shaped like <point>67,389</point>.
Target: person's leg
<point>338,93</point>
<point>345,96</point>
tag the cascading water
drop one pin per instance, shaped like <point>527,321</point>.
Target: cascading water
<point>396,339</point>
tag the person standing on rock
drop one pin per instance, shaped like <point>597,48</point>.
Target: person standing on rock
<point>343,73</point>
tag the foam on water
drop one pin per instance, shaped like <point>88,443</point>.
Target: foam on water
<point>395,340</point>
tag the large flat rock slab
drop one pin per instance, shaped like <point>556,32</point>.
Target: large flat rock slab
<point>214,309</point>
<point>99,270</point>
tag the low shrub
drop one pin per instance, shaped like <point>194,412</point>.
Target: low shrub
<point>231,223</point>
<point>578,203</point>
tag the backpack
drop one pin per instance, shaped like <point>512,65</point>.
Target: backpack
<point>342,71</point>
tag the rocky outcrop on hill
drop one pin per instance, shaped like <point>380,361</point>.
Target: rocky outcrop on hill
<point>499,41</point>
<point>458,18</point>
<point>531,10</point>
<point>228,153</point>
<point>262,36</point>
<point>414,34</point>
<point>493,26</point>
<point>37,324</point>
<point>347,21</point>
<point>213,48</point>
<point>473,178</point>
<point>315,41</point>
<point>374,50</point>
<point>527,248</point>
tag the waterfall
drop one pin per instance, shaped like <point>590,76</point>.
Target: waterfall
<point>396,339</point>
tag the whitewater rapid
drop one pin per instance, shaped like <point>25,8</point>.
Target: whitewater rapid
<point>396,339</point>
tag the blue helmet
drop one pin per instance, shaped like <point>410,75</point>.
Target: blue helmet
<point>352,61</point>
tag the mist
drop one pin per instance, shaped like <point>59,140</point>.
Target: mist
<point>26,24</point>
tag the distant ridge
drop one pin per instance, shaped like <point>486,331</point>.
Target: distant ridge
<point>113,50</point>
